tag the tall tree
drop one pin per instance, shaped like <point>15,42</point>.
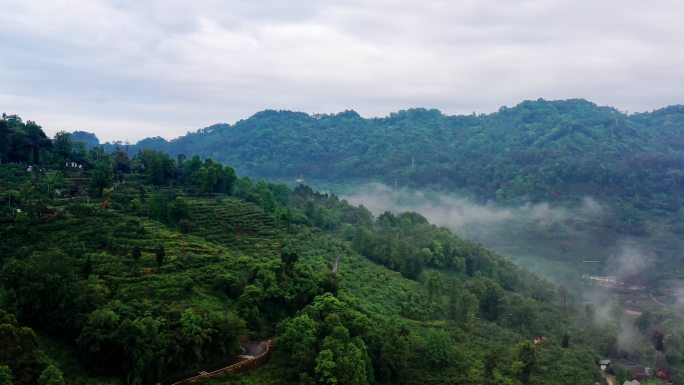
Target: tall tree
<point>63,146</point>
<point>325,368</point>
<point>160,253</point>
<point>5,375</point>
<point>297,345</point>
<point>101,177</point>
<point>51,376</point>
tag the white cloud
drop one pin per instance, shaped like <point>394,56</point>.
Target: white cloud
<point>140,68</point>
<point>457,212</point>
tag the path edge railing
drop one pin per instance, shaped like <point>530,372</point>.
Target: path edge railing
<point>247,364</point>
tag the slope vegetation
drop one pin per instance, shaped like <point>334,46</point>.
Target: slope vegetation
<point>537,150</point>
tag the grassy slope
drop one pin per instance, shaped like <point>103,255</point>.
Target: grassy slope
<point>228,237</point>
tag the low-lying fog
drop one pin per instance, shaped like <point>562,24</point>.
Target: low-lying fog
<point>457,212</point>
<point>558,242</point>
<point>570,243</point>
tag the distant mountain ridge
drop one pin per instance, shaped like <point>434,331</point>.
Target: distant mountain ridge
<point>537,150</point>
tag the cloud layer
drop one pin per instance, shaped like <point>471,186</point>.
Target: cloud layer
<point>142,68</point>
<point>458,213</point>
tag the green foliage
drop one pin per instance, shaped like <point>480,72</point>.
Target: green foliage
<point>136,253</point>
<point>526,360</point>
<point>20,358</point>
<point>44,286</point>
<point>538,150</point>
<point>352,299</point>
<point>21,142</point>
<point>209,176</point>
<point>145,344</point>
<point>438,348</point>
<point>466,309</point>
<point>158,207</point>
<point>159,167</point>
<point>327,341</point>
<point>62,145</point>
<point>325,368</point>
<point>5,375</point>
<point>296,345</point>
<point>490,296</point>
<point>51,376</point>
<point>193,336</point>
<point>101,177</point>
<point>87,267</point>
<point>160,254</point>
<point>53,179</point>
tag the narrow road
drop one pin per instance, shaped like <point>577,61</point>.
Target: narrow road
<point>608,377</point>
<point>251,349</point>
<point>653,297</point>
<point>336,264</point>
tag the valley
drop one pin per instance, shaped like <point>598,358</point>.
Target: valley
<point>133,266</point>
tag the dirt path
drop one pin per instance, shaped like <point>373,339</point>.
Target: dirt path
<point>336,264</point>
<point>608,377</point>
<point>251,349</point>
<point>653,297</point>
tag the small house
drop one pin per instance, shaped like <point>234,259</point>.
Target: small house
<point>538,340</point>
<point>49,213</point>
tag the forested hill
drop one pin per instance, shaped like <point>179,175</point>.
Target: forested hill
<point>537,150</point>
<point>137,270</point>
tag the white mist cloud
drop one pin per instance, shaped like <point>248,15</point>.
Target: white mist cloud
<point>678,293</point>
<point>629,340</point>
<point>441,209</point>
<point>631,261</point>
<point>591,207</point>
<point>456,212</point>
<point>551,240</point>
<point>626,258</point>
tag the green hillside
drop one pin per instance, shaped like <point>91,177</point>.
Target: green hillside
<point>537,150</point>
<point>118,270</point>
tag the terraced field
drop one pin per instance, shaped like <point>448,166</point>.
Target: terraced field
<point>235,224</point>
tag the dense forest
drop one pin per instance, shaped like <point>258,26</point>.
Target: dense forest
<point>536,151</point>
<point>135,268</point>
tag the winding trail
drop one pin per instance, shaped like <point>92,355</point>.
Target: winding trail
<point>653,297</point>
<point>609,378</point>
<point>253,349</point>
<point>336,264</point>
<point>254,354</point>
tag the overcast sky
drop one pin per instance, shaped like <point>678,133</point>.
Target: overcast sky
<point>127,69</point>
